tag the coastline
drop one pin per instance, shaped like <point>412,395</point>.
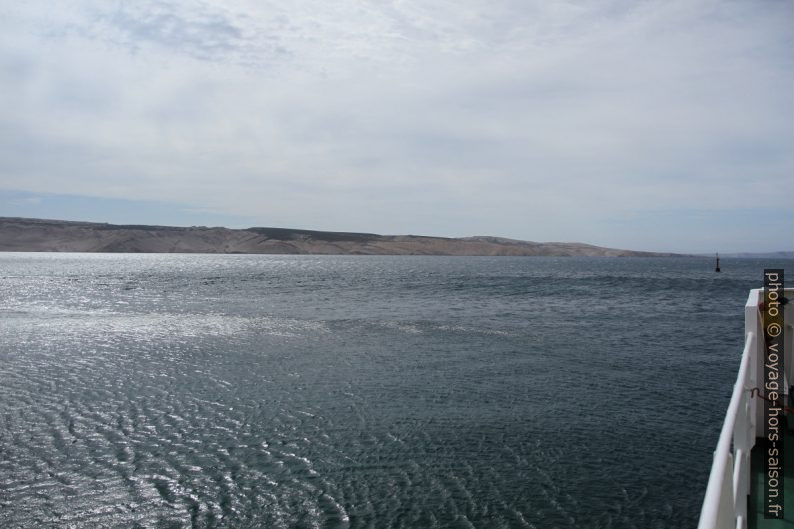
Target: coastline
<point>41,235</point>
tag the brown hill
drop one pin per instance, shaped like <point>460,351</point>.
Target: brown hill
<point>38,235</point>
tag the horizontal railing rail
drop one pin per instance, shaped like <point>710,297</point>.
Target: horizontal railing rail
<point>725,502</point>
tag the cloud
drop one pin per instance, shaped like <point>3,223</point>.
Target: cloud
<point>204,34</point>
<point>532,120</point>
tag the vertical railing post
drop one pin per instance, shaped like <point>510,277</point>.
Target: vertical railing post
<point>752,324</point>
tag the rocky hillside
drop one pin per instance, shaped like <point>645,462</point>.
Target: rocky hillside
<point>37,235</point>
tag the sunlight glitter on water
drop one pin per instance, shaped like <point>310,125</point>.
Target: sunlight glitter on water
<point>282,391</point>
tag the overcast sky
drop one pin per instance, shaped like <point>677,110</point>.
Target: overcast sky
<point>659,125</point>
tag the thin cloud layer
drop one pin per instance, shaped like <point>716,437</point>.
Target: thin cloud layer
<point>605,123</point>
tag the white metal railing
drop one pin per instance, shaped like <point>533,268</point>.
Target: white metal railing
<point>725,503</point>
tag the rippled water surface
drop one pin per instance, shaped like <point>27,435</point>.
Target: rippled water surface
<point>362,392</point>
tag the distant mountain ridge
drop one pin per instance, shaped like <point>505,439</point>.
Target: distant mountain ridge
<point>760,255</point>
<point>43,235</point>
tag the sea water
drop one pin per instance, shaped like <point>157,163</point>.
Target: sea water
<point>363,392</point>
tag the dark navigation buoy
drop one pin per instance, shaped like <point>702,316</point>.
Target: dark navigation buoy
<point>717,267</point>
